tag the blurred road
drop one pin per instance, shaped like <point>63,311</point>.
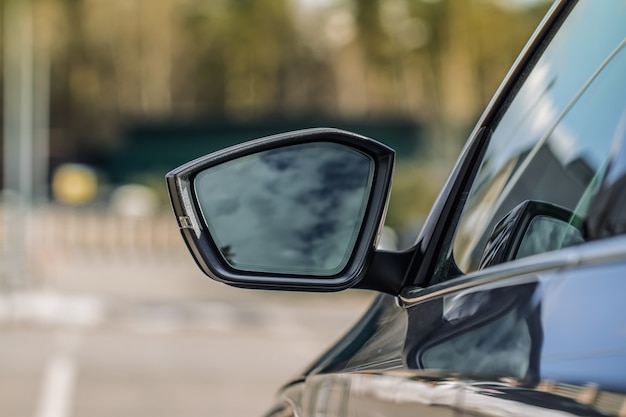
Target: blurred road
<point>156,340</point>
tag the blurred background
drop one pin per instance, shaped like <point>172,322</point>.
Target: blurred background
<point>102,311</point>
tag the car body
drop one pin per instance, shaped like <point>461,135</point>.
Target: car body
<point>511,300</point>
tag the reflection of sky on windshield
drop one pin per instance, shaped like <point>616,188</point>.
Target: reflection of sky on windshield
<point>295,209</point>
<point>606,97</point>
<point>567,109</point>
<point>545,94</point>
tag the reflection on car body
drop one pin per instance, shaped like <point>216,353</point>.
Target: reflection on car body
<point>511,301</point>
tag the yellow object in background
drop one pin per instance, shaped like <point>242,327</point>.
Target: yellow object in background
<point>74,184</point>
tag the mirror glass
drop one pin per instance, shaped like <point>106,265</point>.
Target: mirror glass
<point>294,210</point>
<point>547,234</point>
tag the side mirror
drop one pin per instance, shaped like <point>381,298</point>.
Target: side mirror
<point>296,211</point>
<point>530,228</point>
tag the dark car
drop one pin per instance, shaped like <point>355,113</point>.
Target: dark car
<point>512,301</point>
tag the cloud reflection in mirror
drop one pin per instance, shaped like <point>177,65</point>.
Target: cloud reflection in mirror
<point>296,209</point>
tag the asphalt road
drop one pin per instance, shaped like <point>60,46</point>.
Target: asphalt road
<point>156,340</point>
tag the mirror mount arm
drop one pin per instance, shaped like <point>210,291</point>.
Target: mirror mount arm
<point>387,272</point>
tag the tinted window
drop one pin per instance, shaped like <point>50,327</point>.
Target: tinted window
<point>554,142</point>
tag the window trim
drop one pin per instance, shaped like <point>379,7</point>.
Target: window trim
<point>444,217</point>
<point>523,270</point>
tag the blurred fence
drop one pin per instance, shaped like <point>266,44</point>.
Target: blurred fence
<point>37,242</point>
<point>103,235</point>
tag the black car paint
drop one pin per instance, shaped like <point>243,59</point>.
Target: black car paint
<point>575,351</point>
<point>569,359</point>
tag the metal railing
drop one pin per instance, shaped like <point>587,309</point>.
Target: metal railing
<point>48,235</point>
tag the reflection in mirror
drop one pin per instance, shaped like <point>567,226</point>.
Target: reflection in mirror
<point>507,341</point>
<point>545,234</point>
<point>294,210</point>
<point>530,228</point>
<point>488,331</point>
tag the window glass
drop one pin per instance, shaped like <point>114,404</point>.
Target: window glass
<point>554,142</point>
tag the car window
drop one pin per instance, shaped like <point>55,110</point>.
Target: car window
<point>554,143</point>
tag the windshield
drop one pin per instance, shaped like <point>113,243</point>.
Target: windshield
<point>555,139</point>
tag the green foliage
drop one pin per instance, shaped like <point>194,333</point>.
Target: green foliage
<point>243,48</point>
<point>437,61</point>
<point>416,185</point>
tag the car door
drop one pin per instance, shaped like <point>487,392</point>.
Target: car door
<point>524,312</point>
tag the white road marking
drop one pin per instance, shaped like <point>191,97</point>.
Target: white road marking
<point>57,388</point>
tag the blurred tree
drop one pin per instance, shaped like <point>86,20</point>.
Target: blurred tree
<point>249,60</point>
<point>437,61</point>
<point>244,57</point>
<point>442,59</point>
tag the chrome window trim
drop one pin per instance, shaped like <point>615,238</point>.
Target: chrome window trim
<point>588,254</point>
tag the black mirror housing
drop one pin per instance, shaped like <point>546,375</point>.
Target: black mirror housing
<point>530,228</point>
<point>297,211</point>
